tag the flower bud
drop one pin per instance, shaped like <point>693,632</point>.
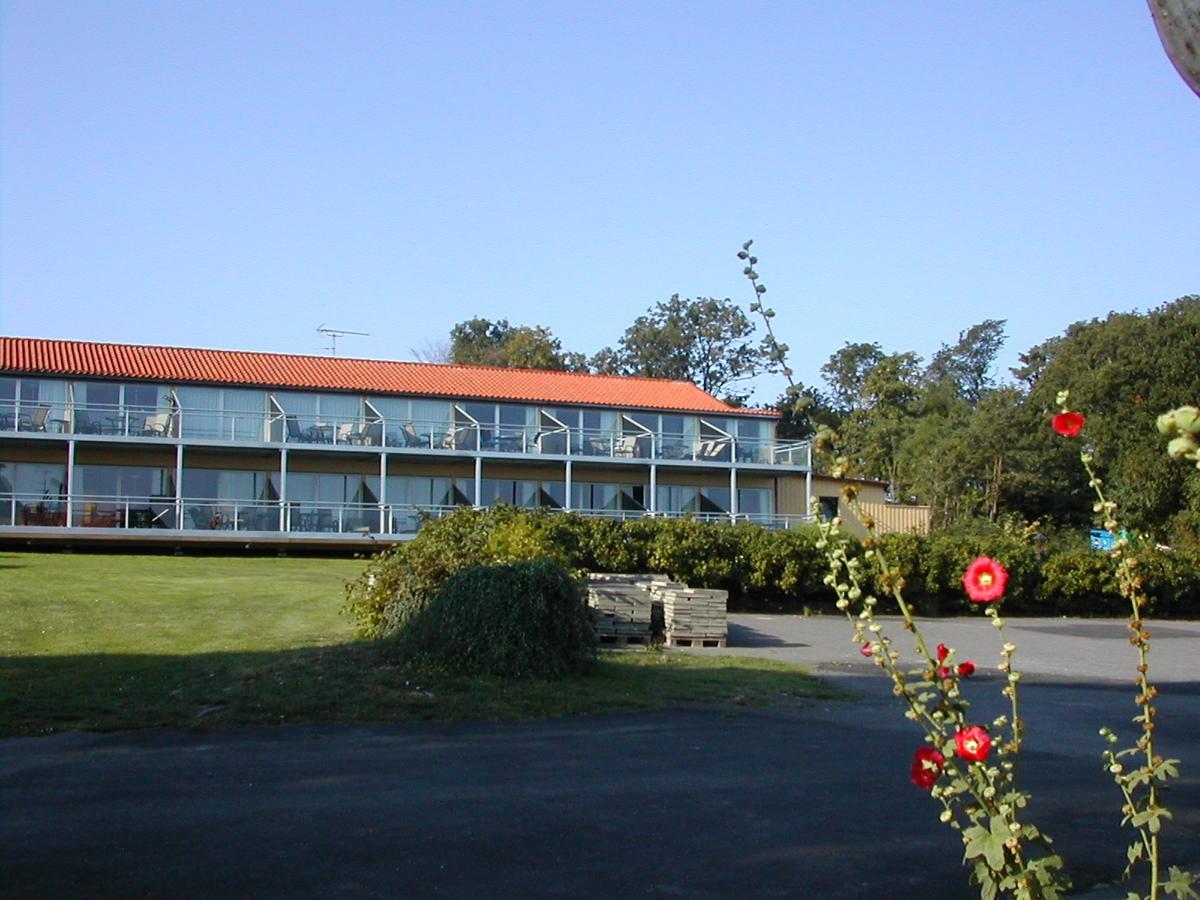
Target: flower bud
<point>946,816</point>
<point>1187,418</point>
<point>1182,446</point>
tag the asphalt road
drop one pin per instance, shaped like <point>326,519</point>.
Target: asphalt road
<point>808,802</point>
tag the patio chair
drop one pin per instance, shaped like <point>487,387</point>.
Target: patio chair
<point>157,425</point>
<point>347,433</point>
<point>295,433</point>
<point>85,424</point>
<point>626,447</point>
<point>411,438</point>
<point>37,421</point>
<point>371,435</point>
<point>713,450</point>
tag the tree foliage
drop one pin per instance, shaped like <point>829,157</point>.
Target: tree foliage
<point>481,342</point>
<point>707,341</point>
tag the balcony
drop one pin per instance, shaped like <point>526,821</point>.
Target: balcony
<point>266,519</point>
<point>366,432</point>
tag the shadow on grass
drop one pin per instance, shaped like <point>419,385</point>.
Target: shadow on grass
<point>357,682</point>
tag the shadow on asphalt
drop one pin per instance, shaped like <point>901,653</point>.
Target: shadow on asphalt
<point>744,636</point>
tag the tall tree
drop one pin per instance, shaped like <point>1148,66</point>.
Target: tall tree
<point>846,373</point>
<point>707,341</point>
<point>968,364</point>
<point>1122,371</point>
<point>481,342</point>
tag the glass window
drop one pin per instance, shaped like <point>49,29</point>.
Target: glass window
<point>754,501</point>
<point>752,429</point>
<point>43,404</point>
<point>8,403</point>
<point>677,498</point>
<point>222,413</point>
<point>124,481</point>
<point>633,497</point>
<point>553,494</point>
<point>714,499</point>
<point>34,480</point>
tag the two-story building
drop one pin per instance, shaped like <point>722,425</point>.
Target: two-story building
<point>168,444</point>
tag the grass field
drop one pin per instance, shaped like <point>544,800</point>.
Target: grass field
<point>105,642</point>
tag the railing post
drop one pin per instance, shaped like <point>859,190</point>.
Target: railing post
<point>69,520</point>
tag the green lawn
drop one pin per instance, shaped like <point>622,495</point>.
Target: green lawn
<point>103,642</point>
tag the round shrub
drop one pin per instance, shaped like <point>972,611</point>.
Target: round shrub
<point>515,620</point>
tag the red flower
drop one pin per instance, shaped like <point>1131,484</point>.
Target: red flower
<point>926,767</point>
<point>1068,424</point>
<point>973,743</point>
<point>942,652</point>
<point>966,669</point>
<point>866,649</point>
<point>944,672</point>
<point>985,580</point>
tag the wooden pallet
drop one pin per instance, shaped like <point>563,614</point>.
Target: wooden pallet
<point>695,640</point>
<point>623,640</point>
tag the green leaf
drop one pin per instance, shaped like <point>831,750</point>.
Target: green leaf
<point>1179,884</point>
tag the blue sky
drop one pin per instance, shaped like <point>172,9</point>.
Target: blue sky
<point>233,174</point>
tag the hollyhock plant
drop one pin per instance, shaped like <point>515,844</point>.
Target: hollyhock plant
<point>927,767</point>
<point>985,580</point>
<point>1007,855</point>
<point>972,744</point>
<point>1068,424</point>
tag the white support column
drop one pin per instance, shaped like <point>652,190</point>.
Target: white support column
<point>567,502</point>
<point>283,469</point>
<point>733,504</point>
<point>179,485</point>
<point>808,497</point>
<point>70,484</point>
<point>478,478</point>
<point>653,505</point>
<point>382,491</point>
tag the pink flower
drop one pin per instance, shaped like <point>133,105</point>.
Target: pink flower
<point>866,649</point>
<point>1068,424</point>
<point>944,672</point>
<point>966,669</point>
<point>942,652</point>
<point>973,744</point>
<point>926,767</point>
<point>985,580</point>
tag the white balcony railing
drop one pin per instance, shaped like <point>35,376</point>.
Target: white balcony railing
<point>268,517</point>
<point>360,431</point>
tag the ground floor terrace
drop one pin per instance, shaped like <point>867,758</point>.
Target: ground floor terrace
<point>102,490</point>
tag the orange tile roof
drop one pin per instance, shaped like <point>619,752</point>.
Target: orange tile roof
<point>183,365</point>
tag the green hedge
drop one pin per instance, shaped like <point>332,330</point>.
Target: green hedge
<point>762,570</point>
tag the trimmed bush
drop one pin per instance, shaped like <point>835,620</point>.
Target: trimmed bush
<point>516,620</point>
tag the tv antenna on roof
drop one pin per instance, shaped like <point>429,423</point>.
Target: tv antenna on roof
<point>335,333</point>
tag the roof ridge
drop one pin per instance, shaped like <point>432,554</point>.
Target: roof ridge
<point>151,362</point>
<point>367,359</point>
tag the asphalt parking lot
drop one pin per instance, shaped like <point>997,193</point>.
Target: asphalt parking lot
<point>806,802</point>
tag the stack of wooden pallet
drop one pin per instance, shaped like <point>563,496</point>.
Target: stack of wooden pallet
<point>623,606</point>
<point>695,617</point>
